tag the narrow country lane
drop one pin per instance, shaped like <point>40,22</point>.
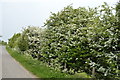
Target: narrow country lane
<point>11,68</point>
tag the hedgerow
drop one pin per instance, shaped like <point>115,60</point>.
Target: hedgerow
<point>13,41</point>
<point>77,40</point>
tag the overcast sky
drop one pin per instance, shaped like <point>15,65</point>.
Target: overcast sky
<point>16,14</point>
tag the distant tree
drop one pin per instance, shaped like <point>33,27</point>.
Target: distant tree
<point>3,43</point>
<point>13,41</point>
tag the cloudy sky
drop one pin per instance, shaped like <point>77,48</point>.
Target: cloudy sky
<point>16,14</point>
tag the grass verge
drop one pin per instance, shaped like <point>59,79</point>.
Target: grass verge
<point>39,69</point>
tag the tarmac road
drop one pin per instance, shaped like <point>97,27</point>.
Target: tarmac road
<point>12,68</point>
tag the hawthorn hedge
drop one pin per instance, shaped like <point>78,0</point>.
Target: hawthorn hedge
<point>77,40</point>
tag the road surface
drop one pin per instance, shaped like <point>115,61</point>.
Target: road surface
<point>11,68</point>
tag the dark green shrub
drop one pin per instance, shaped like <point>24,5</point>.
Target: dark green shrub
<point>23,43</point>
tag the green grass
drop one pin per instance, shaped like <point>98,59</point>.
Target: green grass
<point>39,69</point>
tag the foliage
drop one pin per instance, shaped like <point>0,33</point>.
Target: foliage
<point>82,39</point>
<point>23,42</point>
<point>118,24</point>
<point>13,41</point>
<point>30,40</point>
<point>118,12</point>
<point>3,43</point>
<point>76,40</point>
